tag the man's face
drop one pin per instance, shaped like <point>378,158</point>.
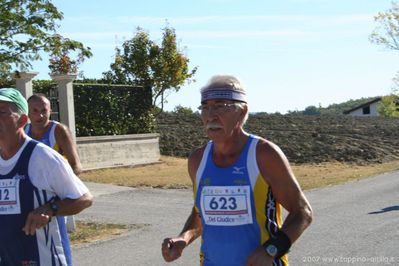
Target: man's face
<point>39,112</point>
<point>9,121</point>
<point>221,118</point>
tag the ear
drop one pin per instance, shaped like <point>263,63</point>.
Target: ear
<point>23,119</point>
<point>244,111</point>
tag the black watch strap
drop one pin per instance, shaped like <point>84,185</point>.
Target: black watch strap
<point>54,208</point>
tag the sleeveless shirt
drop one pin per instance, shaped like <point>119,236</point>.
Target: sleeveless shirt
<point>18,197</point>
<point>49,137</point>
<point>237,208</point>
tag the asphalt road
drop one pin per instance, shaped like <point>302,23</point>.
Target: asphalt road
<point>354,224</point>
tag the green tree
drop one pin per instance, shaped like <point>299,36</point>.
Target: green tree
<point>311,110</point>
<point>179,109</point>
<point>164,68</point>
<point>28,27</point>
<point>389,106</point>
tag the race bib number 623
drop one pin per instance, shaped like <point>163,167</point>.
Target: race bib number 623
<point>228,206</point>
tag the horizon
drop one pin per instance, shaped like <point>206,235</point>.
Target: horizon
<point>290,55</point>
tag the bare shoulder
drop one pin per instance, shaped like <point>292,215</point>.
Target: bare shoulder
<point>272,161</point>
<point>269,150</point>
<point>62,131</point>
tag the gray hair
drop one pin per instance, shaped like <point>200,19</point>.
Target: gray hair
<point>224,87</point>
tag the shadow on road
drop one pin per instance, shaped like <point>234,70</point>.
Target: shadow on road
<point>387,209</point>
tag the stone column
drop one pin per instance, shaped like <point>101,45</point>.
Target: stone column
<point>24,82</point>
<point>65,98</point>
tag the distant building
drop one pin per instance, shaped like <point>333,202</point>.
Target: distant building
<point>369,108</point>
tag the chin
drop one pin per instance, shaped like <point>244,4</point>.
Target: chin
<point>214,135</point>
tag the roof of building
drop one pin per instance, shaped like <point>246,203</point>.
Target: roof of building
<point>363,105</point>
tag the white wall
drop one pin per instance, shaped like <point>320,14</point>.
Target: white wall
<point>122,150</point>
<point>373,110</point>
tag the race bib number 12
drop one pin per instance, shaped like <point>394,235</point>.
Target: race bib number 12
<point>227,206</point>
<point>9,197</point>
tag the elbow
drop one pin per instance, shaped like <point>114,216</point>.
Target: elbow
<point>77,169</point>
<point>308,215</point>
<point>89,200</point>
<point>86,201</point>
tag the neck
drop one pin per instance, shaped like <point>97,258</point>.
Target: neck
<point>39,131</point>
<point>10,147</point>
<point>226,152</point>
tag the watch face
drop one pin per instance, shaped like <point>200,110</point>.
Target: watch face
<point>271,250</point>
<point>54,208</point>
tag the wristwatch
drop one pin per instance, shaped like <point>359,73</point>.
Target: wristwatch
<point>271,250</point>
<point>54,208</point>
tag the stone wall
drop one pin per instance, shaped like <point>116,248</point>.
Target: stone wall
<point>122,150</point>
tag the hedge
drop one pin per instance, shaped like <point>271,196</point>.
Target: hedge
<point>103,109</point>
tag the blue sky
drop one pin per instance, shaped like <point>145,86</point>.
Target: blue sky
<point>289,53</point>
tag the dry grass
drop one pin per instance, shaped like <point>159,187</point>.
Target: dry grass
<point>172,173</point>
<point>325,174</point>
<point>88,232</point>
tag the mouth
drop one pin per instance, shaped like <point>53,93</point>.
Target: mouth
<point>213,126</point>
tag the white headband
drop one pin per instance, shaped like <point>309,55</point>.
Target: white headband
<point>218,93</point>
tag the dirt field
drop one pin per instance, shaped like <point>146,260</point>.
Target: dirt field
<point>304,139</point>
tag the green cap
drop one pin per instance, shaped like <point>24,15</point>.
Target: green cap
<point>13,96</point>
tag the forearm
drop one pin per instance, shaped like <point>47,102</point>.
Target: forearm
<point>74,206</point>
<point>296,223</point>
<point>192,228</point>
<point>40,216</point>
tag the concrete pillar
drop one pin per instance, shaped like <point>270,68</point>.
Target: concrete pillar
<point>65,98</point>
<point>24,82</point>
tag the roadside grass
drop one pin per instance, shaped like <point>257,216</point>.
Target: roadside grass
<point>171,172</point>
<point>88,232</point>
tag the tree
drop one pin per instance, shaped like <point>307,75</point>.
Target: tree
<point>28,27</point>
<point>387,33</point>
<point>389,106</point>
<point>179,109</point>
<point>163,68</point>
<point>311,110</point>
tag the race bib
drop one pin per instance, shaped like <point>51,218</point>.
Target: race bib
<point>226,205</point>
<point>9,197</point>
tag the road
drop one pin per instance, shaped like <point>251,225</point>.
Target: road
<point>354,224</point>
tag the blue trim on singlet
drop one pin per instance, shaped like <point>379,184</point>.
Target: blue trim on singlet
<point>228,245</point>
<point>46,137</point>
<point>65,239</point>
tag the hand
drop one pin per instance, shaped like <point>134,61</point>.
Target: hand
<point>259,258</point>
<point>172,248</point>
<point>36,219</point>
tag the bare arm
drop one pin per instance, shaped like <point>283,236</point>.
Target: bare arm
<point>40,216</point>
<point>172,248</point>
<point>67,147</point>
<point>277,172</point>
